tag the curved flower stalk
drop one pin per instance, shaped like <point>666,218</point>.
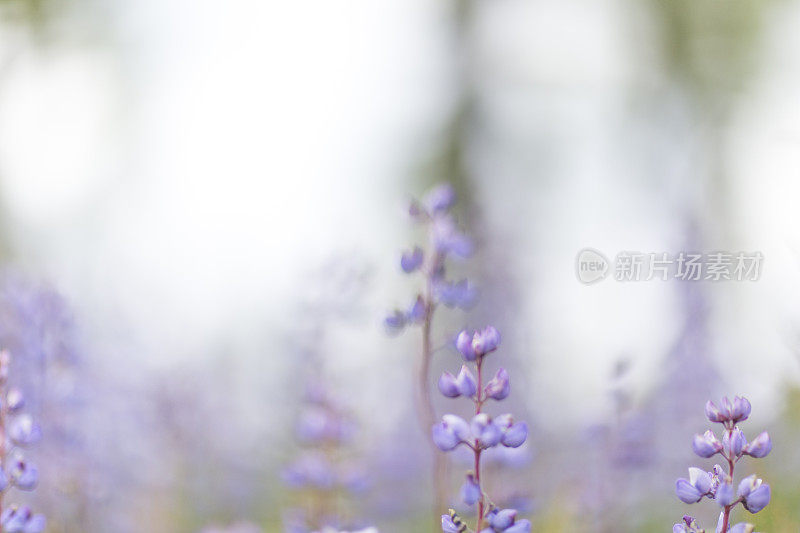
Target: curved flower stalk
<point>322,474</point>
<point>445,240</point>
<point>719,484</point>
<point>481,433</point>
<point>17,431</point>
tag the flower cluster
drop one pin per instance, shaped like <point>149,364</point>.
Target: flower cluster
<point>718,484</point>
<point>323,470</point>
<point>445,240</point>
<point>18,431</point>
<point>481,433</point>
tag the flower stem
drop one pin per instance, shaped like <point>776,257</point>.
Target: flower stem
<point>478,406</point>
<point>427,414</point>
<point>726,512</point>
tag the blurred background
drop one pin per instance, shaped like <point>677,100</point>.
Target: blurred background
<point>203,205</point>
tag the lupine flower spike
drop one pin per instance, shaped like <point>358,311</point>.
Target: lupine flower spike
<point>324,471</point>
<point>17,431</point>
<point>481,433</point>
<point>718,484</point>
<point>445,241</point>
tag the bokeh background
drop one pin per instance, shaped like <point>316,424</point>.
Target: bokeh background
<point>202,207</point>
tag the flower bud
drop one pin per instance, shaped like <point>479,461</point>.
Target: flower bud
<point>747,485</point>
<point>460,294</point>
<point>394,322</point>
<point>440,198</point>
<point>502,519</point>
<point>21,520</point>
<point>24,431</point>
<point>15,401</point>
<point>486,432</point>
<point>515,436</point>
<point>470,490</point>
<point>758,498</point>
<point>448,526</point>
<point>452,431</point>
<point>458,425</point>
<point>464,346</point>
<point>448,385</point>
<point>727,408</point>
<point>759,447</point>
<point>700,479</point>
<point>504,421</point>
<point>740,410</point>
<point>24,475</point>
<point>706,445</point>
<point>733,442</point>
<point>498,387</point>
<point>417,311</point>
<point>485,341</point>
<point>444,437</point>
<point>713,413</point>
<point>466,382</point>
<point>724,494</point>
<point>411,261</point>
<point>693,489</point>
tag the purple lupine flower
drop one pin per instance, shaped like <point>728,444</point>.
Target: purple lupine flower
<point>459,294</point>
<point>18,472</point>
<point>416,313</point>
<point>760,447</point>
<point>395,321</point>
<point>689,525</point>
<point>485,431</point>
<point>439,199</point>
<point>482,432</point>
<point>754,493</point>
<point>452,431</point>
<point>515,435</point>
<point>751,492</point>
<point>706,445</point>
<point>478,343</point>
<point>693,489</point>
<point>464,345</point>
<point>445,240</point>
<point>499,387</point>
<point>470,490</point>
<point>485,341</point>
<point>724,494</point>
<point>448,385</point>
<point>505,520</point>
<point>21,520</point>
<point>325,429</point>
<point>24,431</point>
<point>466,382</point>
<point>448,526</point>
<point>411,261</point>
